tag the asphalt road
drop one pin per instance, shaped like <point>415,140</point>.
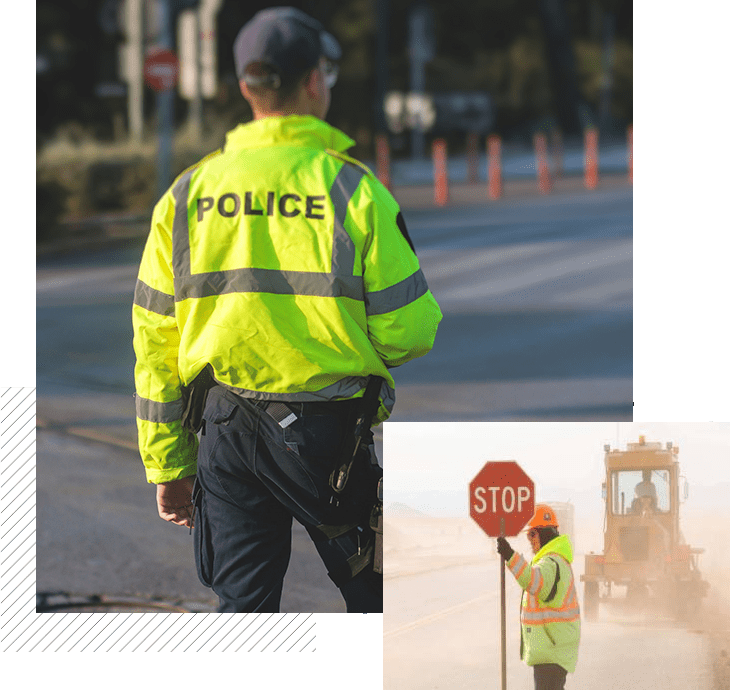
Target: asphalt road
<point>536,295</point>
<point>537,301</point>
<point>98,533</point>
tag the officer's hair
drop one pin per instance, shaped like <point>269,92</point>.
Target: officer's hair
<point>547,534</point>
<point>271,90</point>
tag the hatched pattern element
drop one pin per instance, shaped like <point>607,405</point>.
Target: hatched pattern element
<point>24,630</point>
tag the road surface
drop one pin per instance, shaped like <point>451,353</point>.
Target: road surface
<point>97,527</point>
<point>537,301</point>
<point>441,630</point>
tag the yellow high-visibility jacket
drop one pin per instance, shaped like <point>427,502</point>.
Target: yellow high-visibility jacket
<point>281,262</point>
<point>550,615</point>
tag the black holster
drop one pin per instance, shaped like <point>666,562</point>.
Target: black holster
<point>356,471</point>
<point>194,396</point>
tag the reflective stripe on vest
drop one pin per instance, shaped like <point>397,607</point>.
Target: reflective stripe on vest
<point>535,613</point>
<point>159,412</point>
<point>153,300</point>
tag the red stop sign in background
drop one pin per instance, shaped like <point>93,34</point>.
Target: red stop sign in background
<point>161,69</point>
<point>501,490</point>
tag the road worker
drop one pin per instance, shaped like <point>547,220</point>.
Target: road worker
<point>277,284</point>
<point>549,612</point>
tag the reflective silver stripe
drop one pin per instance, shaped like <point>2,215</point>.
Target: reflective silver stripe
<point>267,280</point>
<point>342,390</point>
<point>536,581</point>
<point>339,282</point>
<point>180,231</point>
<point>537,617</point>
<point>396,296</point>
<point>153,300</point>
<point>160,412</point>
<point>343,248</point>
<point>518,566</point>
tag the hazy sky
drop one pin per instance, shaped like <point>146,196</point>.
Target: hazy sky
<point>564,460</point>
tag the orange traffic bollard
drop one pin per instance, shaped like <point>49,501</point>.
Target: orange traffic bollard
<point>543,170</point>
<point>630,152</point>
<point>441,180</point>
<point>591,161</point>
<point>382,159</point>
<point>494,154</point>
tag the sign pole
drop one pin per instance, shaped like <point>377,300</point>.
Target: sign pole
<point>504,615</point>
<point>501,501</point>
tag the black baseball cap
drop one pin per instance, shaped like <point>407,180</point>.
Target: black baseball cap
<point>285,38</point>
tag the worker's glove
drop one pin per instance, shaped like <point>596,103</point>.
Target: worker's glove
<point>504,549</point>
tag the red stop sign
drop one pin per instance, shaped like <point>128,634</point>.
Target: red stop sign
<point>501,490</point>
<point>161,69</point>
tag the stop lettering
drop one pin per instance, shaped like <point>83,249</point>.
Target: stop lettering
<point>509,501</point>
<point>501,492</point>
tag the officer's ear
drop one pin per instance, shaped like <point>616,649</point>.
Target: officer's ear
<point>312,82</point>
<point>245,91</point>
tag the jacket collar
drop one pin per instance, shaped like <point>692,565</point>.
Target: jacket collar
<point>296,130</point>
<point>560,545</point>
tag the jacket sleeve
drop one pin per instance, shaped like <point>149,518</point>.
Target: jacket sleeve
<point>168,451</point>
<point>402,314</point>
<point>538,579</point>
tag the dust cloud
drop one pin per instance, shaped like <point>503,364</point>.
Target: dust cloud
<point>709,531</point>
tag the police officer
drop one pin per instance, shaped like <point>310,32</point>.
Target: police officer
<point>282,268</point>
<point>549,613</point>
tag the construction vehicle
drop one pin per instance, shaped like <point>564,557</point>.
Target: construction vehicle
<point>644,550</point>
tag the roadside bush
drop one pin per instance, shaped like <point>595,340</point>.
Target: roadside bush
<point>50,203</point>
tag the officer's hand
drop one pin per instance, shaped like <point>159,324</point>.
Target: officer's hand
<point>504,549</point>
<point>175,501</point>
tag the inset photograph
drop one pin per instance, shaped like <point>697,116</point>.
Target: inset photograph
<point>529,555</point>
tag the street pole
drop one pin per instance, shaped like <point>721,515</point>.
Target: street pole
<point>134,62</point>
<point>420,50</point>
<point>609,29</point>
<point>165,106</point>
<point>382,10</point>
<point>190,70</point>
<point>504,616</point>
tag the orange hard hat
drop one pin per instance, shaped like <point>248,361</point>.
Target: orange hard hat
<point>544,517</point>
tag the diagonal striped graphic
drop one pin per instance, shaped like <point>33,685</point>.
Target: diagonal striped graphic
<point>25,630</point>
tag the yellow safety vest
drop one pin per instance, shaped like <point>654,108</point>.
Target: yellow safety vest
<point>550,616</point>
<point>279,261</point>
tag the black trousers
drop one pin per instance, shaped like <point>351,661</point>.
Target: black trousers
<point>549,677</point>
<point>254,477</point>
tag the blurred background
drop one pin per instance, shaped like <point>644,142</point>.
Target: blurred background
<point>536,287</point>
<point>411,70</point>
